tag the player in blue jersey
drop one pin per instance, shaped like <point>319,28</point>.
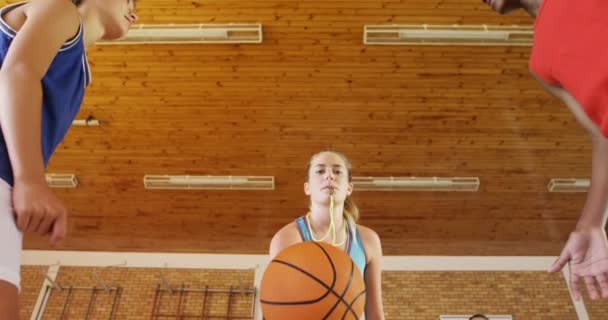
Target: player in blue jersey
<point>43,75</point>
<point>332,218</point>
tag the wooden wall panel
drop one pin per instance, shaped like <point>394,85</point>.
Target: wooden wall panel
<point>312,85</point>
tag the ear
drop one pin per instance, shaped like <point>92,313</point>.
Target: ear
<point>349,190</point>
<point>307,188</point>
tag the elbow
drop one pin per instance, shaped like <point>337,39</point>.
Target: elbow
<point>19,81</point>
<point>273,250</point>
<point>19,73</point>
<point>598,140</point>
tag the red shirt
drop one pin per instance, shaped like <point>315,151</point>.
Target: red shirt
<point>571,51</point>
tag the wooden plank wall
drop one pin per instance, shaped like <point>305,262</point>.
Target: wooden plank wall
<point>312,85</point>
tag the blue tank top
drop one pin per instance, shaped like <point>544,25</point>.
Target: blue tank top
<point>354,246</point>
<point>63,89</point>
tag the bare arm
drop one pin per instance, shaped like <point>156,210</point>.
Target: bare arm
<point>587,247</point>
<point>286,237</point>
<point>374,308</point>
<point>48,25</point>
<point>594,212</point>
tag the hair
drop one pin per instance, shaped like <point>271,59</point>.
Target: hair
<point>479,315</point>
<point>350,208</point>
<point>77,2</point>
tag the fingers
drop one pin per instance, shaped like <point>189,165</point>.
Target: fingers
<point>591,288</point>
<point>58,229</point>
<point>42,222</point>
<point>23,219</point>
<point>45,225</point>
<point>561,262</point>
<point>35,220</point>
<point>37,210</point>
<point>576,292</point>
<point>601,280</point>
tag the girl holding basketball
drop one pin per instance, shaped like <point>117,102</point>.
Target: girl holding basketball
<point>332,219</point>
<point>43,76</point>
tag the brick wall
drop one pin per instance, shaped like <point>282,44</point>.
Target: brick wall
<point>407,295</point>
<point>524,295</point>
<point>32,278</point>
<point>598,309</point>
<point>139,291</point>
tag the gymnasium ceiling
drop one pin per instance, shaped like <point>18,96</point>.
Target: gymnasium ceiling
<point>312,85</point>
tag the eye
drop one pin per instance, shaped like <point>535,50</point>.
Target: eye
<point>320,171</point>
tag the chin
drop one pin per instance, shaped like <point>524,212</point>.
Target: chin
<point>116,33</point>
<point>503,11</point>
<point>507,8</point>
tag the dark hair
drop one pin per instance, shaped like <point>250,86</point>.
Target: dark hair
<point>77,2</point>
<point>479,315</point>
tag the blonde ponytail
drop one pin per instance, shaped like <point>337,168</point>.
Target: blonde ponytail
<point>350,209</point>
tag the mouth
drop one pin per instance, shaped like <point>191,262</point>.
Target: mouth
<point>330,188</point>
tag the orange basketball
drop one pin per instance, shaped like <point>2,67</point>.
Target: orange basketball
<point>310,281</point>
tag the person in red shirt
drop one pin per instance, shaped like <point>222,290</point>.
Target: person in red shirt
<point>569,60</point>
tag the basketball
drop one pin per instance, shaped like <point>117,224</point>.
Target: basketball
<point>312,280</point>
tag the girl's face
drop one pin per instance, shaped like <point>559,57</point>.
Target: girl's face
<point>328,175</point>
<point>117,16</point>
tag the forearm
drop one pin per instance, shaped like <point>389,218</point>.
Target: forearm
<point>374,314</point>
<point>594,212</point>
<point>20,120</point>
<point>374,309</point>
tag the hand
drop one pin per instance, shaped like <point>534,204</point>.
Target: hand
<point>38,210</point>
<point>587,253</point>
